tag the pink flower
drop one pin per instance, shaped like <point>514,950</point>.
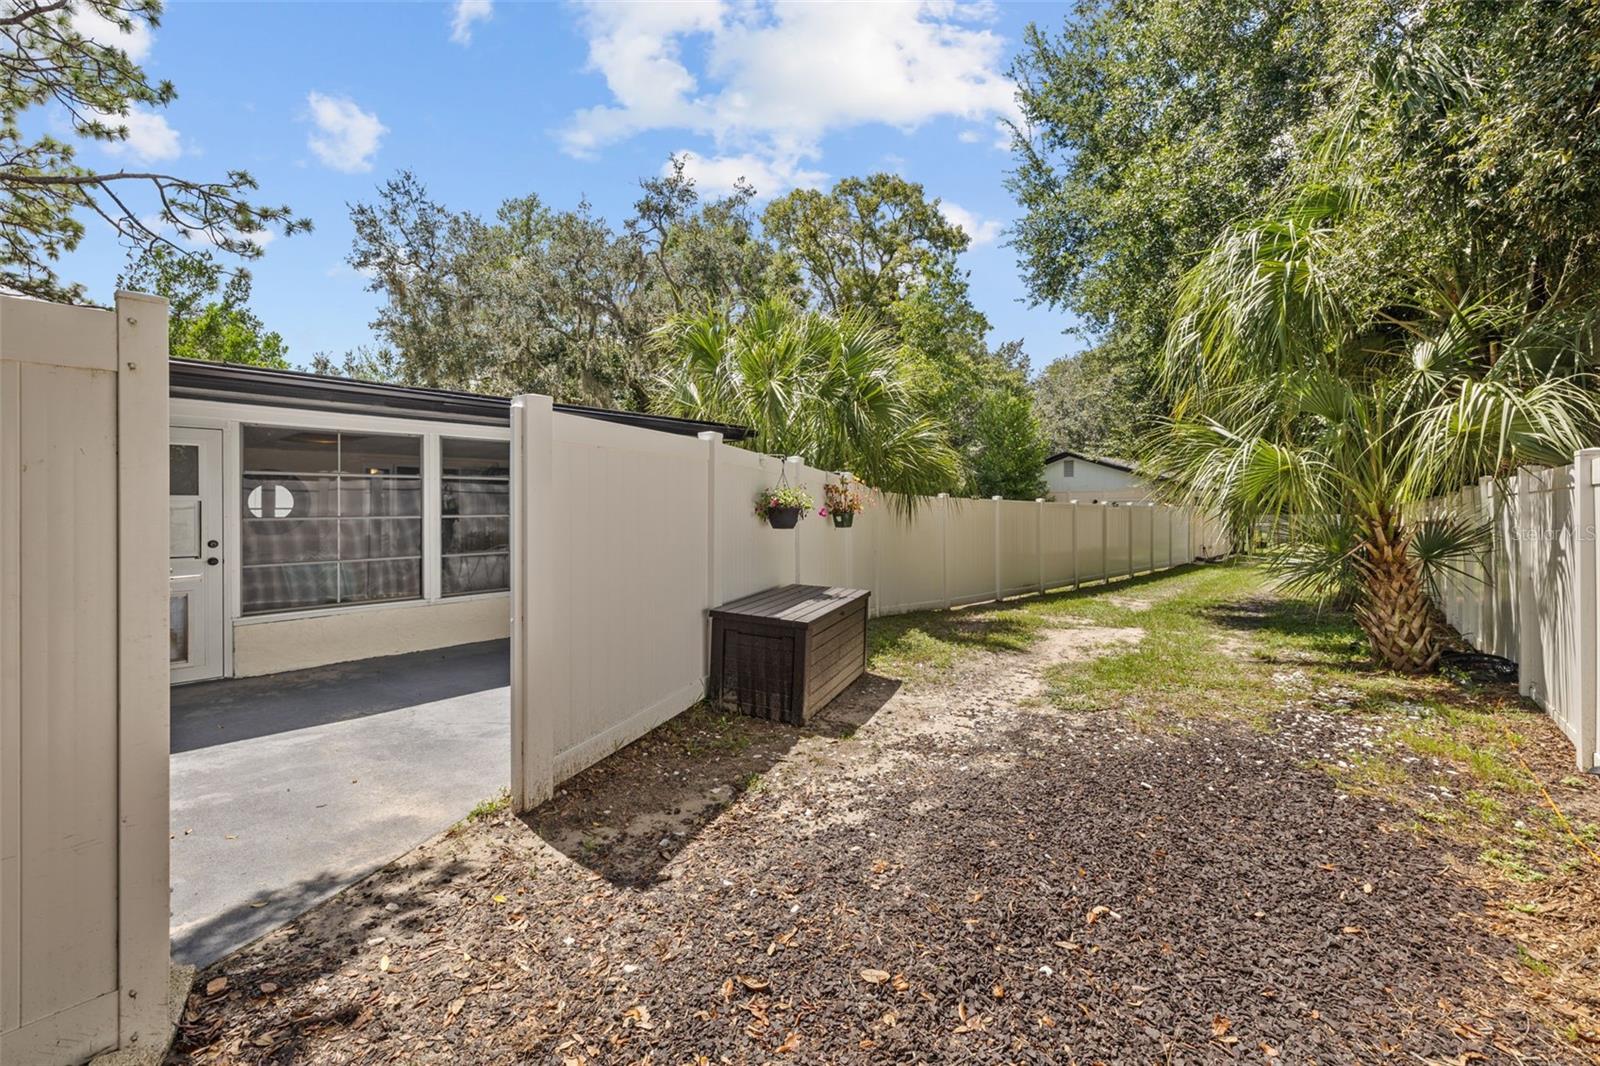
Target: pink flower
<point>822,512</point>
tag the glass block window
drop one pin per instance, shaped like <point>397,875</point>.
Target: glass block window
<point>329,518</point>
<point>475,510</point>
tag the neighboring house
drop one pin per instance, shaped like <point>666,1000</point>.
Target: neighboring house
<point>1087,479</point>
<point>317,520</point>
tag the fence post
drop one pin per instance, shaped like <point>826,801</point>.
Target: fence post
<point>1076,580</point>
<point>944,547</point>
<point>1529,662</point>
<point>532,560</point>
<point>1038,539</point>
<point>713,443</point>
<point>996,501</point>
<point>1130,542</point>
<point>143,685</point>
<point>1586,572</point>
<point>1105,542</point>
<point>792,467</point>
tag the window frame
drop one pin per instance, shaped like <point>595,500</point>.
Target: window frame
<point>337,478</point>
<point>440,478</point>
<point>230,416</point>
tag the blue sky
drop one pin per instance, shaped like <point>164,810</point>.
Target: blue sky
<point>486,99</point>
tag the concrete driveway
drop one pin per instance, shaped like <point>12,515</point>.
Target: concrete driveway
<point>287,788</point>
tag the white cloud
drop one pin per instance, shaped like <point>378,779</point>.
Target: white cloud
<point>468,12</point>
<point>769,176</point>
<point>346,137</point>
<point>102,31</point>
<point>978,230</point>
<point>150,137</point>
<point>777,79</point>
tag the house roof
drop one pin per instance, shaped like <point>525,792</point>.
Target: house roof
<point>239,383</point>
<point>1115,464</point>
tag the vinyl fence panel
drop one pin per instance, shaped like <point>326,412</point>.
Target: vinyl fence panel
<point>624,537</point>
<point>1531,595</point>
<point>1017,545</point>
<point>83,679</point>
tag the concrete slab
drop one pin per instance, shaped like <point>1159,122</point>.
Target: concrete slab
<point>287,788</point>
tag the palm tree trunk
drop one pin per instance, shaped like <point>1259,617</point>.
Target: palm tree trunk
<point>1394,609</point>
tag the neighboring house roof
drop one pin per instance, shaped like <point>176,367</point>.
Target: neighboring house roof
<point>1115,464</point>
<point>199,379</point>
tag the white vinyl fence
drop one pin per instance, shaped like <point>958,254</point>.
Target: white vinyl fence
<point>624,537</point>
<point>1531,598</point>
<point>83,679</point>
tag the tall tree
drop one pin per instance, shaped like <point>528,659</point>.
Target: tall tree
<point>880,245</point>
<point>1146,129</point>
<point>833,389</point>
<point>1079,404</point>
<point>546,300</point>
<point>46,59</point>
<point>209,308</point>
<point>1413,315</point>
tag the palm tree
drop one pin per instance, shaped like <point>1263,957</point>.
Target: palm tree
<point>1289,403</point>
<point>834,390</point>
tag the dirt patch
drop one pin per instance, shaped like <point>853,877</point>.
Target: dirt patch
<point>931,873</point>
<point>1078,644</point>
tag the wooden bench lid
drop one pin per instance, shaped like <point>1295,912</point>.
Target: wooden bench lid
<point>795,605</point>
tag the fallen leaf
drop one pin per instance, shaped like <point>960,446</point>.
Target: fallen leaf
<point>499,899</point>
<point>790,1043</point>
<point>754,984</point>
<point>455,1006</point>
<point>999,991</point>
<point>216,986</point>
<point>268,987</point>
<point>1096,914</point>
<point>874,977</point>
<point>384,964</point>
<point>1220,1025</point>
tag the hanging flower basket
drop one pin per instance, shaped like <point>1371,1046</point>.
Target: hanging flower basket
<point>783,506</point>
<point>784,517</point>
<point>842,504</point>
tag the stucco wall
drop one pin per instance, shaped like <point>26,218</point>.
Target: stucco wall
<point>268,647</point>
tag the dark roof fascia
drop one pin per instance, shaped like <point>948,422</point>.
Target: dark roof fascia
<point>1115,464</point>
<point>237,383</point>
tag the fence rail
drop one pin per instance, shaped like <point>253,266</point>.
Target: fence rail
<point>1531,597</point>
<point>624,538</point>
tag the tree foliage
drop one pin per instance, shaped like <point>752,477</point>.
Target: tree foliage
<point>47,61</point>
<point>210,316</point>
<point>1417,310</point>
<point>831,388</point>
<point>564,303</point>
<point>545,300</point>
<point>1148,128</point>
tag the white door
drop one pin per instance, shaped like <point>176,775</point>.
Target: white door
<point>197,619</point>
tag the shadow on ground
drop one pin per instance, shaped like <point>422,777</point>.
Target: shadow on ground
<point>626,817</point>
<point>221,712</point>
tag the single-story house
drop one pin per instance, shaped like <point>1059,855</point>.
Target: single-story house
<point>317,520</point>
<point>1072,475</point>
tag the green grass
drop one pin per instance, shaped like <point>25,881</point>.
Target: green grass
<point>490,807</point>
<point>1217,641</point>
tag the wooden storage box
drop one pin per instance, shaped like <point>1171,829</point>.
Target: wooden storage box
<point>784,653</point>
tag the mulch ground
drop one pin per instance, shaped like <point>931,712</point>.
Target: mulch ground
<point>970,876</point>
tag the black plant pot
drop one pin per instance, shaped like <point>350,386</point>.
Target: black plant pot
<point>783,517</point>
<point>843,519</point>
